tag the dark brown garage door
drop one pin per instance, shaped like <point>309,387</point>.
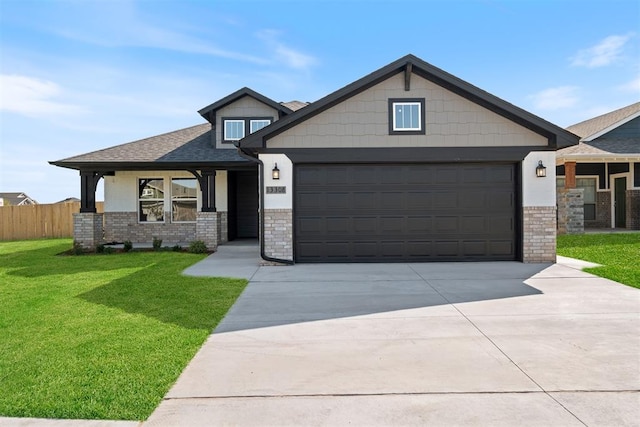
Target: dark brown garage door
<point>416,212</point>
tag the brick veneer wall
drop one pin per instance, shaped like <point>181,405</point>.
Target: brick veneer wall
<point>633,209</point>
<point>278,233</point>
<point>603,211</point>
<point>87,229</point>
<point>121,226</point>
<point>570,210</point>
<point>539,234</point>
<point>207,228</point>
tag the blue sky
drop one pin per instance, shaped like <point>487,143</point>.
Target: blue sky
<point>77,76</point>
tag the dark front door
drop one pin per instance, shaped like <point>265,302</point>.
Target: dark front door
<point>620,202</point>
<point>410,212</point>
<point>243,204</point>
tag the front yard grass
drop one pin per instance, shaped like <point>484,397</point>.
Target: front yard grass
<point>99,336</point>
<point>619,254</point>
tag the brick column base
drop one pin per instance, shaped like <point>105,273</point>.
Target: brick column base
<point>87,229</point>
<point>570,211</point>
<point>207,228</point>
<point>539,234</point>
<point>278,233</point>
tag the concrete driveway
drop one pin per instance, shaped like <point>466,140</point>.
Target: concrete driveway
<point>418,344</point>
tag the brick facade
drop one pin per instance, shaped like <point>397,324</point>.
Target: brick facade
<point>570,210</point>
<point>121,226</point>
<point>633,209</point>
<point>278,233</point>
<point>539,234</point>
<point>87,229</point>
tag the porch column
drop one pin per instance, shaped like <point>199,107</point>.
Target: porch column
<point>207,221</point>
<point>88,184</point>
<point>569,175</point>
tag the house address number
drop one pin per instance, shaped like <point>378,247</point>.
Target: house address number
<point>276,190</point>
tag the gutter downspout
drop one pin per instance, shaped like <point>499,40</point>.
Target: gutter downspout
<point>261,175</point>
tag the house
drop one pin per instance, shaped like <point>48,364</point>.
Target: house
<point>605,166</point>
<point>408,163</point>
<point>16,199</point>
<point>69,200</point>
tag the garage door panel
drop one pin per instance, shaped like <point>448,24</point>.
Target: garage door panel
<point>365,200</point>
<point>417,212</point>
<point>365,225</point>
<point>340,226</point>
<point>445,200</point>
<point>336,201</point>
<point>392,225</point>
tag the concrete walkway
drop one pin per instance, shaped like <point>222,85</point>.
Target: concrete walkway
<point>416,344</point>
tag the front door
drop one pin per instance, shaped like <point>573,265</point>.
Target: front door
<point>243,204</point>
<point>620,202</point>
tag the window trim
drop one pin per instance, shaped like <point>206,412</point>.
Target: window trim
<point>188,199</point>
<point>246,126</point>
<point>392,115</point>
<point>139,199</point>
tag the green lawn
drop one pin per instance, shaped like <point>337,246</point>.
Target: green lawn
<point>619,254</point>
<point>99,336</point>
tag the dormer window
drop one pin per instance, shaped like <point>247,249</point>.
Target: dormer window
<point>236,128</point>
<point>233,130</point>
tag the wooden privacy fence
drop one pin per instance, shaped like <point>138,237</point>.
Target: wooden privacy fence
<point>39,221</point>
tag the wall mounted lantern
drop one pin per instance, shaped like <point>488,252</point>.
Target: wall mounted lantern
<point>541,170</point>
<point>275,172</point>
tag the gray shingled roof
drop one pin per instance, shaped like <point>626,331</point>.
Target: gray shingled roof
<point>188,145</point>
<point>295,105</point>
<point>620,147</point>
<point>597,124</point>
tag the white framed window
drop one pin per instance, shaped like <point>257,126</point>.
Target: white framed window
<point>256,125</point>
<point>233,129</point>
<point>406,116</point>
<point>184,199</point>
<point>151,200</point>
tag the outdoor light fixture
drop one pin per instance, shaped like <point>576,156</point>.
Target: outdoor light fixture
<point>541,171</point>
<point>275,172</point>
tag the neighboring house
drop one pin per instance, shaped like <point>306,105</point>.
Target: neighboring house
<point>16,199</point>
<point>606,166</point>
<point>408,163</point>
<point>69,200</point>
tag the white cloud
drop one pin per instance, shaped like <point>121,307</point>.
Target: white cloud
<point>556,98</point>
<point>285,54</point>
<point>607,52</point>
<point>633,86</point>
<point>31,96</point>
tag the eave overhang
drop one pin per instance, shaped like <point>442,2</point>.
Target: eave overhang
<point>133,166</point>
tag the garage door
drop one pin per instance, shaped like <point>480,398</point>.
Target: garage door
<point>410,212</point>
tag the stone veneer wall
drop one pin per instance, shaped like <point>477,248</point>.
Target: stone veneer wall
<point>87,229</point>
<point>278,233</point>
<point>603,211</point>
<point>121,226</point>
<point>633,209</point>
<point>539,234</point>
<point>570,210</point>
